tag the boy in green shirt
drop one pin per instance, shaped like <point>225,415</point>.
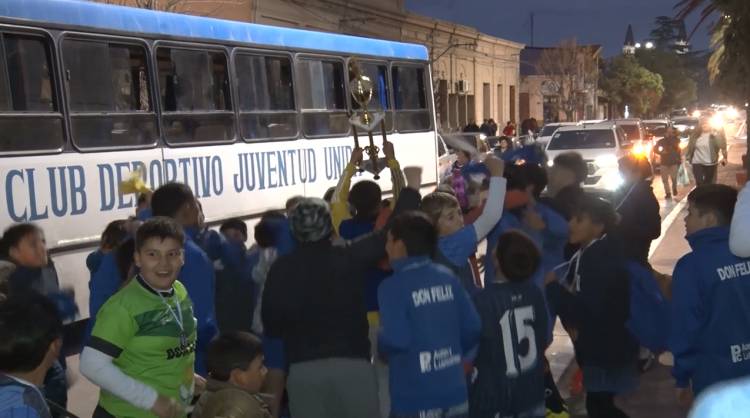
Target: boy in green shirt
<point>141,351</point>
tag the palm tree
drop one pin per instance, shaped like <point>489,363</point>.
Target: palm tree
<point>729,65</point>
<point>688,7</point>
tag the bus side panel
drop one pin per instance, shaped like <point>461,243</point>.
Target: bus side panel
<point>241,179</point>
<point>412,149</point>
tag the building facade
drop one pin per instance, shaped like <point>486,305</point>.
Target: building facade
<point>474,76</point>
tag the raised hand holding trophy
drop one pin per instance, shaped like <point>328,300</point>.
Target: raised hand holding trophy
<point>362,91</point>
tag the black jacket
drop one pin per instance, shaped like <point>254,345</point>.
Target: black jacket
<point>640,221</point>
<point>314,297</point>
<point>600,309</point>
<point>668,149</point>
<point>497,390</point>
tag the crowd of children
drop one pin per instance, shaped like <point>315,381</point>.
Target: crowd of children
<point>359,307</point>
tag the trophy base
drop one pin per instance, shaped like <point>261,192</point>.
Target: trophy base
<point>369,167</point>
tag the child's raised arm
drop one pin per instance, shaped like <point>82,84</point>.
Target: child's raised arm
<point>339,201</point>
<point>493,209</point>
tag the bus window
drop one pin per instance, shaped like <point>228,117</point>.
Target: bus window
<point>30,119</point>
<point>381,101</point>
<point>110,104</point>
<point>195,96</point>
<point>266,96</point>
<point>410,96</point>
<point>322,97</point>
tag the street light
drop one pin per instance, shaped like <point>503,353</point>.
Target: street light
<point>649,45</point>
<point>637,44</point>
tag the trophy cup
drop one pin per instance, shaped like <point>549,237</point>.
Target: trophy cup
<point>362,91</point>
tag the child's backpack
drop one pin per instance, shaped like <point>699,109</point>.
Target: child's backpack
<point>649,309</point>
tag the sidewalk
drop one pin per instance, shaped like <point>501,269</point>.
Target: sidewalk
<point>655,397</point>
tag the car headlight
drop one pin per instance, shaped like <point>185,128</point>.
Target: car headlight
<point>550,163</point>
<point>639,150</point>
<point>732,113</point>
<point>606,160</point>
<point>717,121</point>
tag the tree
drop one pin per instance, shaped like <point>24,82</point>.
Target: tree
<point>625,82</point>
<point>680,89</point>
<point>569,70</point>
<point>666,32</point>
<point>729,65</point>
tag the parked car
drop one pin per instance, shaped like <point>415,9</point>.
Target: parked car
<point>657,129</point>
<point>548,130</point>
<point>685,126</point>
<point>676,113</point>
<point>642,143</point>
<point>470,141</point>
<point>601,145</point>
<point>446,158</point>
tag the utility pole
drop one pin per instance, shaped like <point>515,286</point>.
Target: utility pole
<point>531,16</point>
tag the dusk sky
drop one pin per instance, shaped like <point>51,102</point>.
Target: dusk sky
<point>601,22</point>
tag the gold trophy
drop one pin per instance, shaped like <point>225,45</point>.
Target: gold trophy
<point>362,91</point>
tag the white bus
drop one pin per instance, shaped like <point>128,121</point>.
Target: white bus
<point>247,115</point>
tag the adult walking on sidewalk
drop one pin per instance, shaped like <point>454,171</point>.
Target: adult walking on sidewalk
<point>668,149</point>
<point>703,152</point>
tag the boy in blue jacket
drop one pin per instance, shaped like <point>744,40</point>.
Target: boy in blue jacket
<point>509,378</point>
<point>456,241</point>
<point>710,335</point>
<point>594,303</point>
<point>176,201</point>
<point>428,325</point>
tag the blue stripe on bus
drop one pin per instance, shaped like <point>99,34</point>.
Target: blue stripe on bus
<point>128,19</point>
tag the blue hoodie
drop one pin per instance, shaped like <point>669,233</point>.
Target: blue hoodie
<point>104,282</point>
<point>710,336</point>
<point>509,221</point>
<point>218,248</point>
<point>429,325</point>
<point>554,237</point>
<point>551,241</point>
<point>454,250</point>
<point>199,278</point>
<point>94,260</point>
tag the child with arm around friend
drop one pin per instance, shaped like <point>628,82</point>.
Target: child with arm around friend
<point>456,242</point>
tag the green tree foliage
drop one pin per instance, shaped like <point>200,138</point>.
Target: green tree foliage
<point>666,32</point>
<point>626,82</point>
<point>729,64</point>
<point>680,89</point>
